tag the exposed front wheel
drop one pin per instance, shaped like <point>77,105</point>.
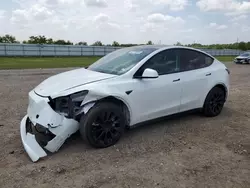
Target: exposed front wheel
<point>214,102</point>
<point>103,125</point>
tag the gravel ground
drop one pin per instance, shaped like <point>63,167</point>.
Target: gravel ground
<point>188,151</point>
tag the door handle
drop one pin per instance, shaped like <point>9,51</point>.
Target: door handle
<point>208,74</point>
<point>176,80</point>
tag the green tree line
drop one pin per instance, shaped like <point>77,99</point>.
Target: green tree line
<point>41,39</point>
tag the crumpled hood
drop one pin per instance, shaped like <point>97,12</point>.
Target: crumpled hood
<point>69,79</point>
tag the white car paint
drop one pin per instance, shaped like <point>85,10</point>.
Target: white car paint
<point>149,99</point>
<point>34,150</point>
<point>196,84</point>
<point>67,80</point>
<point>153,95</point>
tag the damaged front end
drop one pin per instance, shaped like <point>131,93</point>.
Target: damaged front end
<point>49,122</point>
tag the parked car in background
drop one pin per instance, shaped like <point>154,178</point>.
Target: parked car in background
<point>243,58</point>
<point>126,87</point>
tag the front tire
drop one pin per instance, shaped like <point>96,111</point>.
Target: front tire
<point>103,125</point>
<point>214,102</point>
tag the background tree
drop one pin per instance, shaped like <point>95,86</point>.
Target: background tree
<point>37,40</point>
<point>97,43</point>
<point>49,41</point>
<point>82,43</point>
<point>63,42</point>
<point>41,39</point>
<point>248,45</point>
<point>149,42</point>
<point>115,43</point>
<point>178,44</point>
<point>128,45</point>
<point>242,46</point>
<point>8,39</point>
<point>69,43</point>
<point>195,45</point>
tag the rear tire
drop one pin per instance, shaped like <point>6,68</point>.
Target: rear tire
<point>103,125</point>
<point>214,102</point>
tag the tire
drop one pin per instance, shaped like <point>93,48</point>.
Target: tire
<point>214,102</point>
<point>103,125</point>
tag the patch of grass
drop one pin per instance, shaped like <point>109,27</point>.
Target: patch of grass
<point>225,58</point>
<point>60,62</point>
<point>45,62</point>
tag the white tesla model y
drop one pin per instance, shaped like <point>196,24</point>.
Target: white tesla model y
<point>124,88</point>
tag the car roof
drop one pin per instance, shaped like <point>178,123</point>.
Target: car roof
<point>155,46</point>
<point>149,46</point>
<point>158,47</point>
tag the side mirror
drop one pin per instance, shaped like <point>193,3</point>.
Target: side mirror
<point>150,73</point>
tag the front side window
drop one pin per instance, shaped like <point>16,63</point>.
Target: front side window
<point>191,60</point>
<point>165,62</point>
<point>120,61</point>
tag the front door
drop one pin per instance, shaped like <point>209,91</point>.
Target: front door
<point>157,97</point>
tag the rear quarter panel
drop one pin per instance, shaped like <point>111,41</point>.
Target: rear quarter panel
<point>219,76</point>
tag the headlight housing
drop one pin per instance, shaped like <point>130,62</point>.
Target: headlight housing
<point>70,105</point>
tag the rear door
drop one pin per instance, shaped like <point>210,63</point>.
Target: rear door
<point>195,77</point>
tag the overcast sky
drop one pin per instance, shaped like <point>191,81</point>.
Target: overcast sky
<point>128,21</point>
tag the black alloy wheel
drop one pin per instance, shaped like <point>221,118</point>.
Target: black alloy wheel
<point>214,102</point>
<point>106,128</point>
<point>103,125</point>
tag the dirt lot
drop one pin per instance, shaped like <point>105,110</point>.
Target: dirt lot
<point>188,151</point>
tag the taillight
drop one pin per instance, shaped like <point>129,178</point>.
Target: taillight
<point>228,71</point>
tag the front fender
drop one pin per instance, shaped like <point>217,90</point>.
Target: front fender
<point>96,95</point>
<point>97,92</point>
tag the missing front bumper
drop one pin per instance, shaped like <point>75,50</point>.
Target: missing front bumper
<point>37,139</point>
<point>31,146</point>
<point>43,129</point>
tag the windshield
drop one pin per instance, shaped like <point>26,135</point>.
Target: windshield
<point>245,54</point>
<point>120,61</point>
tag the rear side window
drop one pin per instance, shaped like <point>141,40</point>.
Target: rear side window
<point>191,60</point>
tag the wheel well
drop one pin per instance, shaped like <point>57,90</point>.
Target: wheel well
<point>222,87</point>
<point>121,104</point>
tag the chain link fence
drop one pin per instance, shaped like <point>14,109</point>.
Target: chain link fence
<point>19,50</point>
